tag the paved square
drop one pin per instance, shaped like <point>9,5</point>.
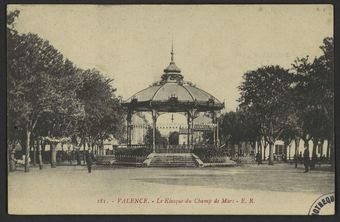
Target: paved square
<point>233,190</point>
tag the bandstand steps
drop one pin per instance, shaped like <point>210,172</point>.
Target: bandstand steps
<point>173,160</point>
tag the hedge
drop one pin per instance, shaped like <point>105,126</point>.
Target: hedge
<point>211,154</point>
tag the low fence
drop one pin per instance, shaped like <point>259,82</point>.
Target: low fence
<point>130,158</point>
<point>173,150</point>
<point>46,155</point>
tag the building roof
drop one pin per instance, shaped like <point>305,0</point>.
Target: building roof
<point>173,94</point>
<point>163,92</point>
<point>172,68</point>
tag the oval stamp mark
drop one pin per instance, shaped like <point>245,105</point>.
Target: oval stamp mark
<point>324,205</point>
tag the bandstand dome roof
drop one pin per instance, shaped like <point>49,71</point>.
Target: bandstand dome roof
<point>173,94</point>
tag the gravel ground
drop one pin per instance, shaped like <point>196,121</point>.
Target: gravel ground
<point>248,189</point>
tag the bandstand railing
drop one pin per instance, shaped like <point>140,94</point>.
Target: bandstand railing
<point>173,150</point>
<point>130,158</point>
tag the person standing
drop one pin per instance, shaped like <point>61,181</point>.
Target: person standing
<point>69,154</point>
<point>78,156</point>
<point>300,157</point>
<point>258,158</point>
<point>89,160</point>
<point>306,159</point>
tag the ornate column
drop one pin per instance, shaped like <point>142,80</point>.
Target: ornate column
<point>128,128</point>
<point>154,120</point>
<point>218,114</point>
<point>192,131</point>
<point>193,114</point>
<point>188,134</point>
<point>213,116</point>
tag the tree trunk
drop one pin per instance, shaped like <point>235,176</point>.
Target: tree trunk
<point>322,142</point>
<point>84,144</point>
<point>31,145</point>
<point>265,144</point>
<point>61,156</point>
<point>285,151</point>
<point>8,157</point>
<point>253,146</point>
<point>328,146</point>
<point>271,154</point>
<point>306,145</point>
<point>240,151</point>
<point>259,150</point>
<point>53,154</point>
<point>331,154</point>
<point>28,137</point>
<point>297,144</point>
<point>43,146</point>
<point>39,153</point>
<point>233,150</point>
<point>314,157</point>
<point>43,150</point>
<point>35,152</point>
<point>12,164</point>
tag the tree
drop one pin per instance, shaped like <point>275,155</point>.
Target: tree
<point>29,94</point>
<point>48,97</point>
<point>327,78</point>
<point>250,127</point>
<point>14,133</point>
<point>148,138</point>
<point>174,138</point>
<point>287,136</point>
<point>208,137</point>
<point>231,131</point>
<point>39,85</point>
<point>237,127</point>
<point>314,97</point>
<point>104,115</point>
<point>263,93</point>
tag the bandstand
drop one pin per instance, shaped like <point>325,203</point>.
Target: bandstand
<point>173,95</point>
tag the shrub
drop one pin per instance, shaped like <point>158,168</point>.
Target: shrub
<point>211,155</point>
<point>133,151</point>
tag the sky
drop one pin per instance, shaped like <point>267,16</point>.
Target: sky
<point>214,45</point>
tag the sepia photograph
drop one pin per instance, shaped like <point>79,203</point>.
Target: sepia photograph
<point>170,109</point>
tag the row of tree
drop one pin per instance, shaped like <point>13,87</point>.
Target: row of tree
<point>51,101</point>
<point>286,104</point>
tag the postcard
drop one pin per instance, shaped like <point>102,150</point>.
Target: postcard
<point>170,109</point>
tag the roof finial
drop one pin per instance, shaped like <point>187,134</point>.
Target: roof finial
<point>172,50</point>
<point>172,68</point>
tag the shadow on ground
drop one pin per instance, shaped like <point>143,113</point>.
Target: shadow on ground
<point>264,179</point>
